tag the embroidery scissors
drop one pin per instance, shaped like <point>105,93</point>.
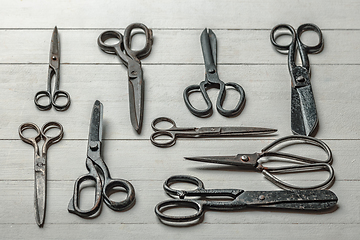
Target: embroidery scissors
<point>40,162</point>
<point>53,72</point>
<point>208,45</point>
<point>131,59</point>
<point>304,119</point>
<point>99,173</point>
<point>301,163</point>
<point>173,132</point>
<point>314,200</point>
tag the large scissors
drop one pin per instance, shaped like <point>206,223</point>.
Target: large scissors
<point>299,163</point>
<point>314,200</point>
<point>131,59</point>
<point>40,162</point>
<point>99,173</point>
<point>54,70</point>
<point>208,45</point>
<point>174,132</point>
<point>304,117</point>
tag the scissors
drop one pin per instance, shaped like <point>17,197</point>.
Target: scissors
<point>253,161</point>
<point>208,45</point>
<point>304,119</point>
<point>40,162</point>
<point>314,200</point>
<point>99,173</point>
<point>192,132</point>
<point>54,70</point>
<point>131,59</point>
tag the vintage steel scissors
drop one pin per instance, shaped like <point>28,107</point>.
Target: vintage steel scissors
<point>54,70</point>
<point>314,200</point>
<point>253,161</point>
<point>131,60</point>
<point>40,162</point>
<point>208,45</point>
<point>99,173</point>
<point>174,132</point>
<point>304,119</point>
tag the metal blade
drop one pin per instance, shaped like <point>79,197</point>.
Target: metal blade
<point>40,190</point>
<point>303,111</point>
<point>95,130</point>
<point>54,57</point>
<point>233,131</point>
<point>136,99</point>
<point>208,52</point>
<point>240,160</point>
<point>299,199</point>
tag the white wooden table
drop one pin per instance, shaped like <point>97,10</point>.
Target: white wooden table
<point>245,55</point>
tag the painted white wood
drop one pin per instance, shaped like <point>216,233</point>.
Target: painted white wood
<point>245,56</point>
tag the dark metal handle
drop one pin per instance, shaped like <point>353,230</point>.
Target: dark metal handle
<point>112,184</point>
<point>163,119</point>
<point>163,143</point>
<point>109,48</point>
<point>182,179</point>
<point>30,140</point>
<point>310,27</point>
<point>145,51</point>
<point>51,140</point>
<point>221,98</point>
<point>198,88</point>
<point>161,207</point>
<point>43,94</point>
<point>279,47</point>
<point>61,94</point>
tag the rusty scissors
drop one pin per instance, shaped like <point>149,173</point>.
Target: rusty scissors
<point>304,119</point>
<point>40,162</point>
<point>54,70</point>
<point>313,200</point>
<point>131,59</point>
<point>297,163</point>
<point>212,80</point>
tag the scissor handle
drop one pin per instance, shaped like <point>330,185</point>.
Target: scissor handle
<point>110,48</point>
<point>198,88</point>
<point>61,94</point>
<point>112,185</point>
<point>50,140</point>
<point>221,97</point>
<point>30,140</point>
<point>145,51</point>
<point>310,27</point>
<point>280,47</point>
<point>43,94</point>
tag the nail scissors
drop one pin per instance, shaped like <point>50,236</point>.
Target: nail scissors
<point>54,70</point>
<point>40,162</point>
<point>304,119</point>
<point>192,132</point>
<point>208,45</point>
<point>314,200</point>
<point>131,59</point>
<point>301,163</point>
<point>99,173</point>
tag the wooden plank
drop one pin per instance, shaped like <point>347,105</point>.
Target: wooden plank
<point>172,47</point>
<point>178,14</point>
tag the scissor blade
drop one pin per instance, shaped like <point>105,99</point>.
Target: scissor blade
<point>136,100</point>
<point>95,131</point>
<point>303,111</point>
<point>299,199</point>
<point>236,131</point>
<point>240,160</point>
<point>54,57</point>
<point>208,46</point>
<point>40,193</point>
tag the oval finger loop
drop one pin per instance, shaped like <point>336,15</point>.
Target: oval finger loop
<point>154,138</point>
<point>30,140</point>
<point>182,179</point>
<point>49,140</point>
<point>164,206</point>
<point>109,48</point>
<point>240,104</point>
<point>162,119</point>
<point>39,96</point>
<point>282,48</point>
<point>197,112</point>
<point>311,27</point>
<point>145,51</point>
<point>116,186</point>
<point>60,95</point>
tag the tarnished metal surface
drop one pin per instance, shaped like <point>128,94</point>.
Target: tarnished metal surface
<point>300,163</point>
<point>315,200</point>
<point>304,118</point>
<point>40,162</point>
<point>53,72</point>
<point>99,173</point>
<point>192,132</point>
<point>131,60</point>
<point>212,80</point>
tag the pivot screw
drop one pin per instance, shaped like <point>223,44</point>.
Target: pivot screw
<point>245,158</point>
<point>261,197</point>
<point>94,146</point>
<point>300,79</point>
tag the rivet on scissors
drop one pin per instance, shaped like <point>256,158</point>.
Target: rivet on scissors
<point>261,197</point>
<point>300,79</point>
<point>54,58</point>
<point>212,70</point>
<point>133,72</point>
<point>94,146</point>
<point>245,158</point>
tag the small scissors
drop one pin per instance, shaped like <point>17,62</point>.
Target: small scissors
<point>131,60</point>
<point>40,162</point>
<point>192,132</point>
<point>54,69</point>
<point>208,45</point>
<point>314,200</point>
<point>99,173</point>
<point>252,161</point>
<point>303,109</point>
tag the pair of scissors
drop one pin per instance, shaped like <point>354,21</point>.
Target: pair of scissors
<point>174,132</point>
<point>314,200</point>
<point>300,163</point>
<point>40,162</point>
<point>131,59</point>
<point>212,80</point>
<point>99,173</point>
<point>304,119</point>
<point>53,72</point>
